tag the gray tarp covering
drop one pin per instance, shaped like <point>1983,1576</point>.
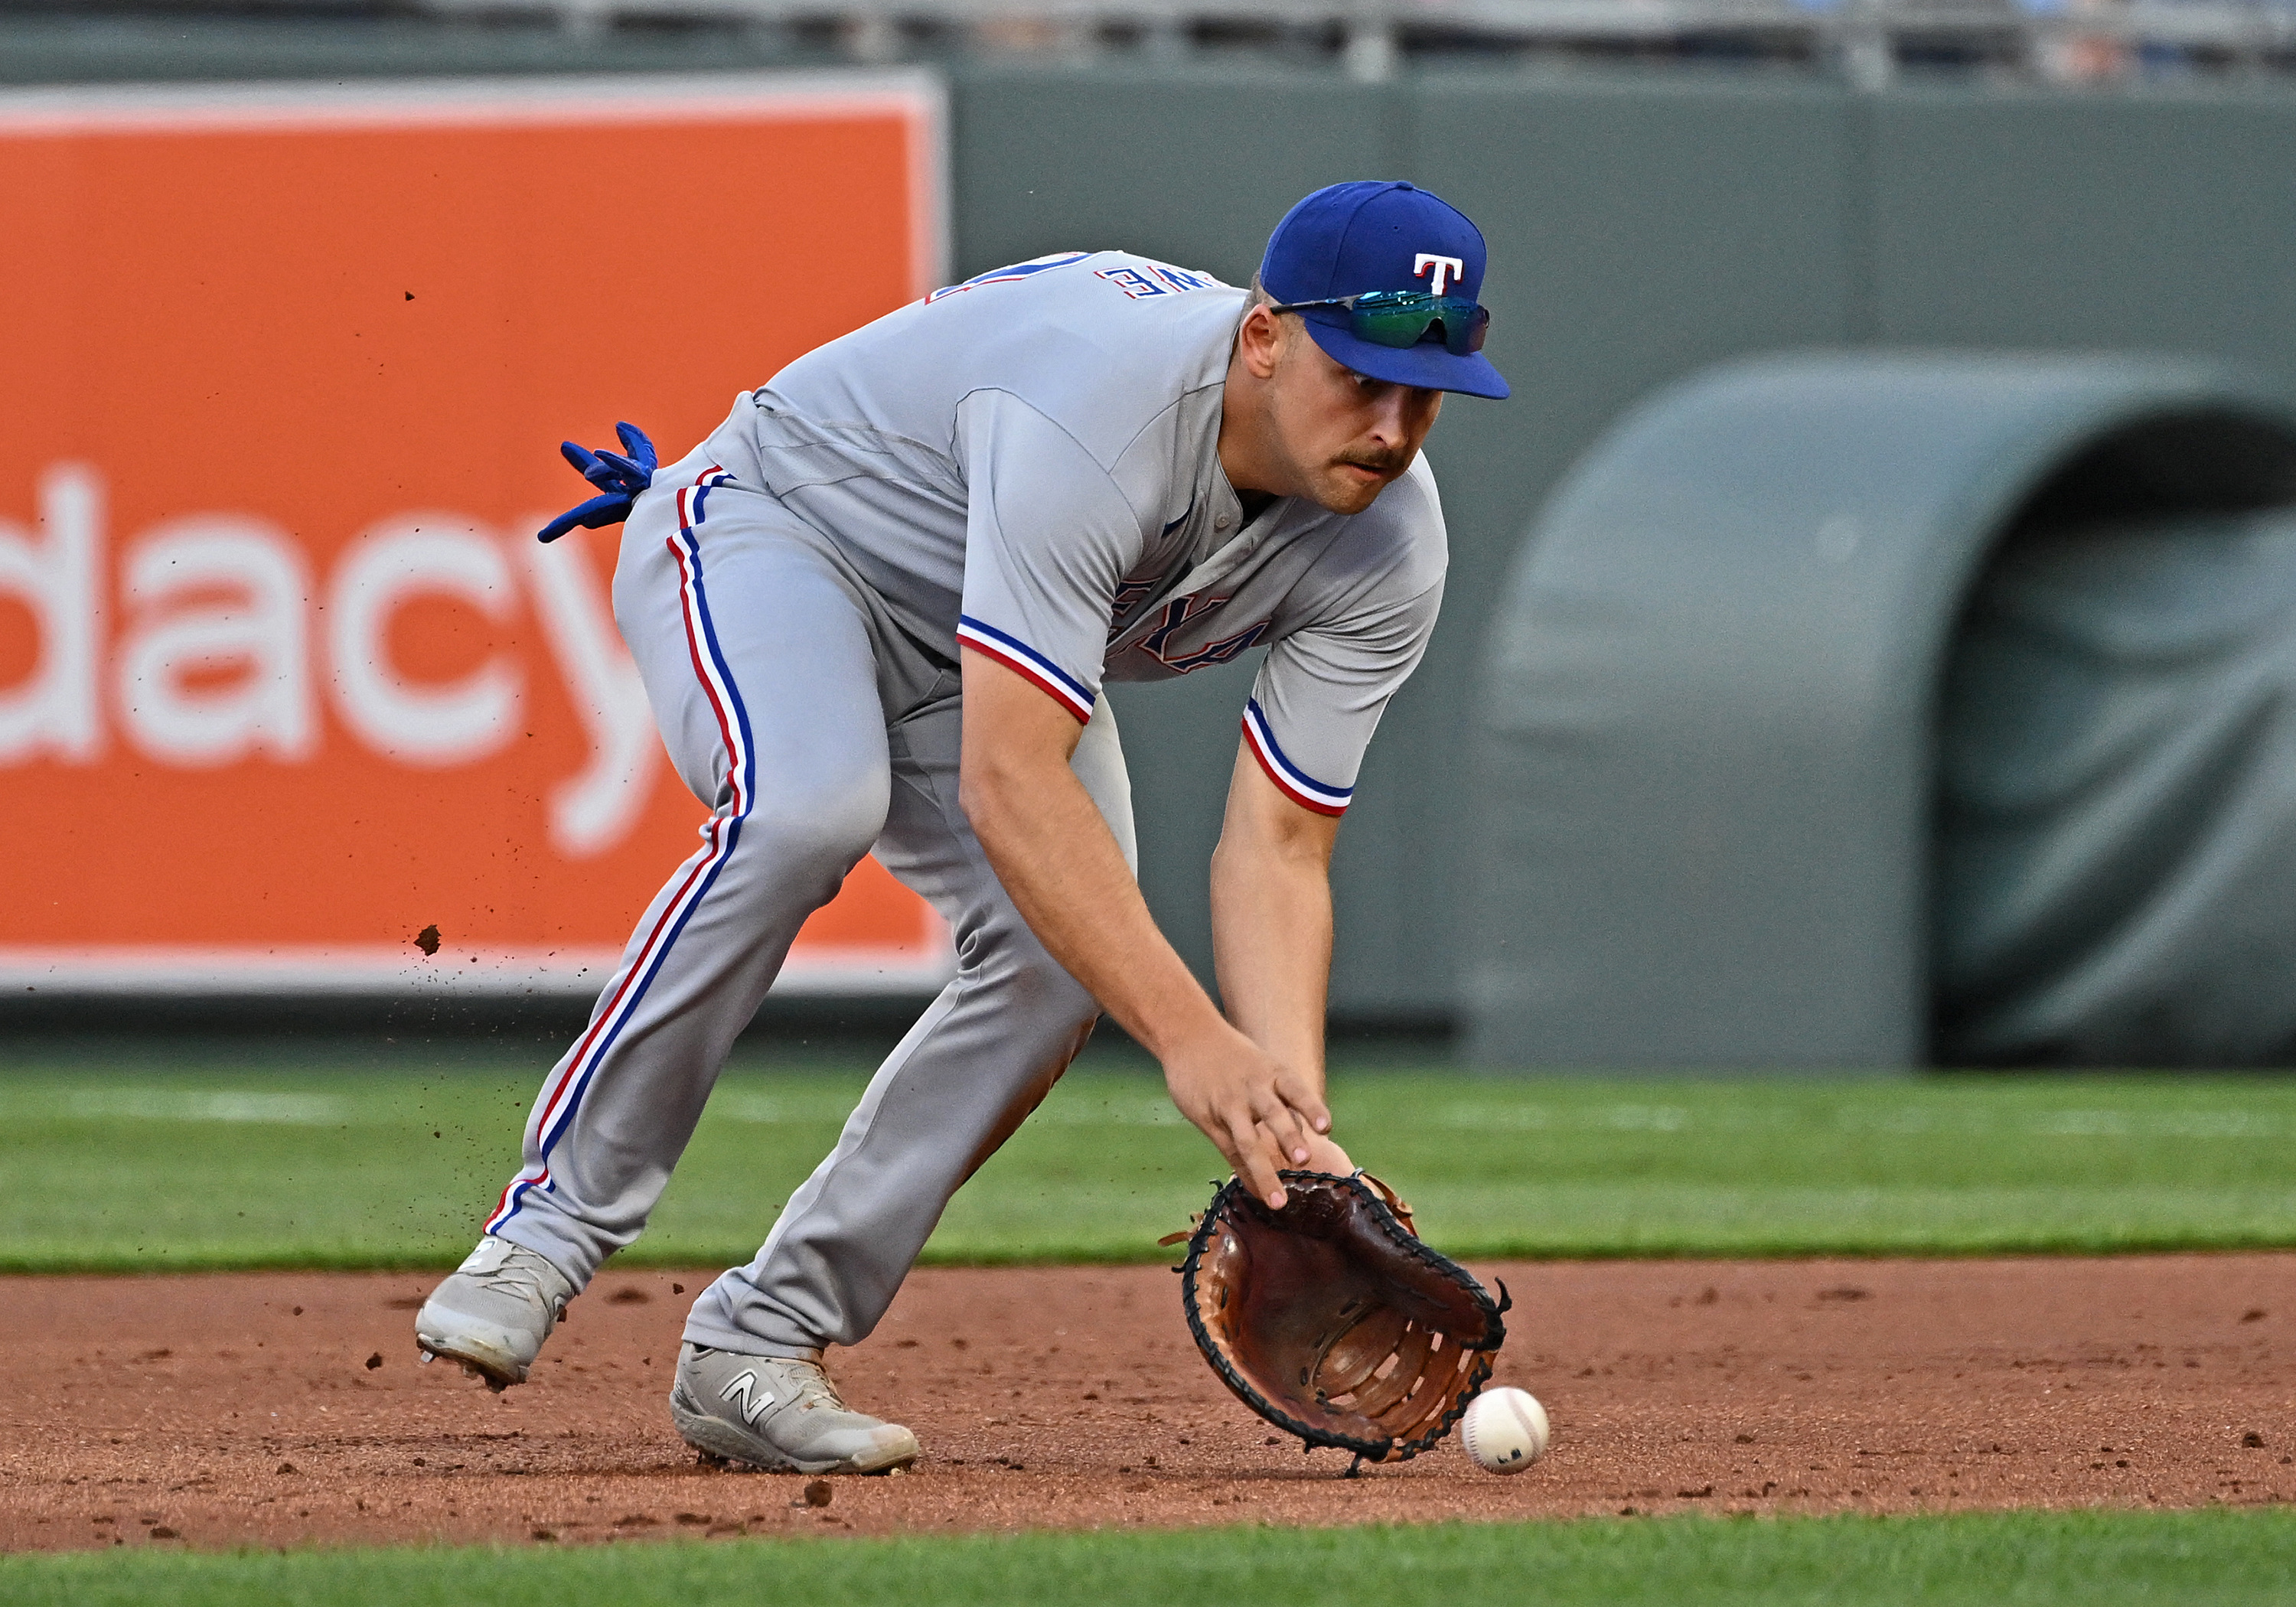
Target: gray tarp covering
<point>2116,874</point>
<point>1706,777</point>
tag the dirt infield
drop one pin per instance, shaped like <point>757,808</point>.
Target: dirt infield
<point>287,1409</point>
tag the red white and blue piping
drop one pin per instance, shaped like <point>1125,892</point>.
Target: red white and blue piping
<point>1027,663</point>
<point>1293,781</point>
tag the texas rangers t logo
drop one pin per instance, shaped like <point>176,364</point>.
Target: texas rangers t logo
<point>1446,268</point>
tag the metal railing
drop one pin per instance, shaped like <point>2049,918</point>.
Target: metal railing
<point>1869,42</point>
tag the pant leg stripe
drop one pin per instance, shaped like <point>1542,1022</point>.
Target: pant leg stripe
<point>724,833</point>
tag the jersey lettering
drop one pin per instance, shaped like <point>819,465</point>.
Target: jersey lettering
<point>1155,279</point>
<point>1180,279</point>
<point>1129,596</point>
<point>1135,283</point>
<point>1182,610</point>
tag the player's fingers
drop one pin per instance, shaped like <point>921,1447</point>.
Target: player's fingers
<point>1212,1124</point>
<point>1285,1131</point>
<point>1300,1096</point>
<point>634,443</point>
<point>1256,1159</point>
<point>598,511</point>
<point>1291,1150</point>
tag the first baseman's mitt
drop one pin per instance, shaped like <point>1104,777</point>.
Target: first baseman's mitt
<point>1301,1312</point>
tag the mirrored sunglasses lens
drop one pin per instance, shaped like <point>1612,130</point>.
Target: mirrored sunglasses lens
<point>1393,326</point>
<point>1403,323</point>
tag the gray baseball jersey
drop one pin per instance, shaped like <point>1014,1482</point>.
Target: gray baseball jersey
<point>1026,463</point>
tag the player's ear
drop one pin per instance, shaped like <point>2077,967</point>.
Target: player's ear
<point>1261,341</point>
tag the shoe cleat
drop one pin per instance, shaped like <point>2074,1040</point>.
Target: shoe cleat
<point>493,1312</point>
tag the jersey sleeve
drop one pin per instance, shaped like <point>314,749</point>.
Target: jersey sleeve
<point>1048,534</point>
<point>1322,690</point>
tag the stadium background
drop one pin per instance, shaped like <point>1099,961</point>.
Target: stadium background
<point>1667,184</point>
<point>1646,222</point>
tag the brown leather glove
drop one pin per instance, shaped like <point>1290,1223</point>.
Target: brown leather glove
<point>1298,1310</point>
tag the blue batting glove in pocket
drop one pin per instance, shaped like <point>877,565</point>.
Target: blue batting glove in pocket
<point>619,477</point>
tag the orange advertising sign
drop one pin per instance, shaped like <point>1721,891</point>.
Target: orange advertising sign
<point>284,676</point>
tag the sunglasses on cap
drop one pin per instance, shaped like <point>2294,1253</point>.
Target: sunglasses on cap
<point>1402,318</point>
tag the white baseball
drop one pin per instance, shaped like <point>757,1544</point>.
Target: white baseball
<point>1506,1430</point>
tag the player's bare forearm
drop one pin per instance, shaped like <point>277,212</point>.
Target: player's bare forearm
<point>1271,890</point>
<point>1058,860</point>
<point>1272,917</point>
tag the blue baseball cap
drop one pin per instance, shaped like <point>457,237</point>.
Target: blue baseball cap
<point>1381,234</point>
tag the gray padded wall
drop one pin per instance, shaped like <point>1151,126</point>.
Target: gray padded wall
<point>2080,221</point>
<point>1638,230</point>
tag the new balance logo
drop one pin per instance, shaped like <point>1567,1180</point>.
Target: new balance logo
<point>739,1391</point>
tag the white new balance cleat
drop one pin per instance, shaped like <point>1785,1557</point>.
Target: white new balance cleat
<point>781,1415</point>
<point>494,1311</point>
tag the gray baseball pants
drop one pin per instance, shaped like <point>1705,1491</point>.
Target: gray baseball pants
<point>816,731</point>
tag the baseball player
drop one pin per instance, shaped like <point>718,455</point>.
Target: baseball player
<point>874,612</point>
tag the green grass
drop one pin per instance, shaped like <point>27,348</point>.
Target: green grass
<point>1994,1560</point>
<point>127,1164</point>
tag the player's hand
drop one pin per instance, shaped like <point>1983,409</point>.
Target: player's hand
<point>1259,1113</point>
<point>1324,1156</point>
